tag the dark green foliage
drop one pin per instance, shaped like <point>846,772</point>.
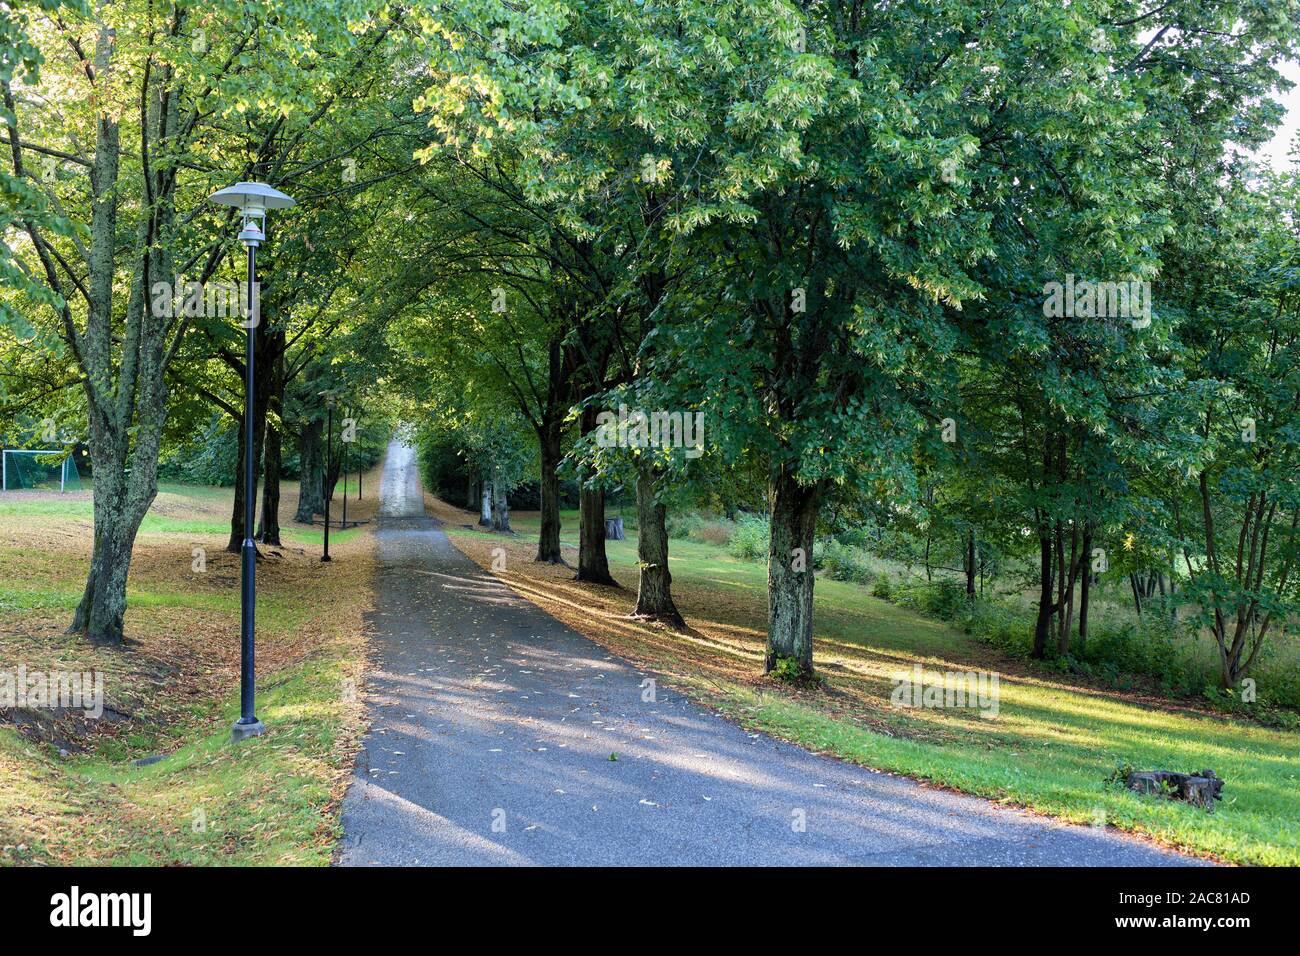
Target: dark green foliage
<point>443,467</point>
<point>842,562</point>
<point>207,458</point>
<point>750,539</point>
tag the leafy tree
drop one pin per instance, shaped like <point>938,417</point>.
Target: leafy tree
<point>1240,332</point>
<point>145,91</point>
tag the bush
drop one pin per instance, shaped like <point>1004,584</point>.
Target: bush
<point>944,598</point>
<point>998,625</point>
<point>1151,649</point>
<point>442,469</point>
<point>714,532</point>
<point>749,541</point>
<point>883,587</point>
<point>1116,653</point>
<point>207,458</point>
<point>680,524</point>
<point>947,599</point>
<point>842,562</point>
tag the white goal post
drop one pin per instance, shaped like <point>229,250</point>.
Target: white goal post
<point>11,477</point>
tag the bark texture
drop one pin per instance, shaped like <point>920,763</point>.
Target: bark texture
<point>790,575</point>
<point>548,542</point>
<point>272,455</point>
<point>311,501</point>
<point>654,596</point>
<point>593,564</point>
<point>500,508</point>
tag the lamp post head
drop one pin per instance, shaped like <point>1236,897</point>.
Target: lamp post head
<point>252,200</point>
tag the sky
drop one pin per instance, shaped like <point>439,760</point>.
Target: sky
<point>1275,153</point>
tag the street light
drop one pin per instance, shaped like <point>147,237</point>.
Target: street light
<point>252,200</point>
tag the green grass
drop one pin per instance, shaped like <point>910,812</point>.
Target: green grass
<point>261,803</point>
<point>271,800</point>
<point>315,537</point>
<point>1050,748</point>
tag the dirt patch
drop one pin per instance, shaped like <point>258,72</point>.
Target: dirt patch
<point>182,627</point>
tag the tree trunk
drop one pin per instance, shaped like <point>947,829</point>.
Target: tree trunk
<point>1059,536</point>
<point>970,565</point>
<point>1085,588</point>
<point>1046,608</point>
<point>593,565</point>
<point>261,398</point>
<point>100,614</point>
<point>485,510</point>
<point>310,500</point>
<point>790,574</point>
<point>269,532</point>
<point>236,542</point>
<point>125,467</point>
<point>333,458</point>
<point>269,527</point>
<point>500,508</point>
<point>548,542</point>
<point>1137,591</point>
<point>102,610</point>
<point>471,494</point>
<point>1067,600</point>
<point>654,597</point>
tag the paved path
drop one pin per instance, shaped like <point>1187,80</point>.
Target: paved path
<point>494,724</point>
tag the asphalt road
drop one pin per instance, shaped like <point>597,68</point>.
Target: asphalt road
<point>501,737</point>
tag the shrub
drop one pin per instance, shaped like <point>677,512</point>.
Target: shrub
<point>1151,649</point>
<point>842,562</point>
<point>714,532</point>
<point>749,541</point>
<point>680,524</point>
<point>998,625</point>
<point>945,599</point>
<point>207,458</point>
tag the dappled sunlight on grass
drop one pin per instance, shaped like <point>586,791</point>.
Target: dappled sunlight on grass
<point>174,687</point>
<point>1050,748</point>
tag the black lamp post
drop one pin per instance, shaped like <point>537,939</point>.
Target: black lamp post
<point>252,200</point>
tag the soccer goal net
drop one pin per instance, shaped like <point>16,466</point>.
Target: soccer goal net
<point>42,470</point>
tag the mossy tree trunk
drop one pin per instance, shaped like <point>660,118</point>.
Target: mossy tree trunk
<point>654,596</point>
<point>790,575</point>
<point>311,502</point>
<point>593,564</point>
<point>548,541</point>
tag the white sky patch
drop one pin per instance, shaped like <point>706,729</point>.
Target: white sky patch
<point>1276,152</point>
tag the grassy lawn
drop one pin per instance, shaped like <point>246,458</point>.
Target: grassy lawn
<point>1050,748</point>
<point>69,789</point>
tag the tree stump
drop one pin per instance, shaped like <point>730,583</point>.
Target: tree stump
<point>1199,789</point>
<point>614,529</point>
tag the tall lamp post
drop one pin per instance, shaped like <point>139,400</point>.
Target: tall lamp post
<point>252,200</point>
